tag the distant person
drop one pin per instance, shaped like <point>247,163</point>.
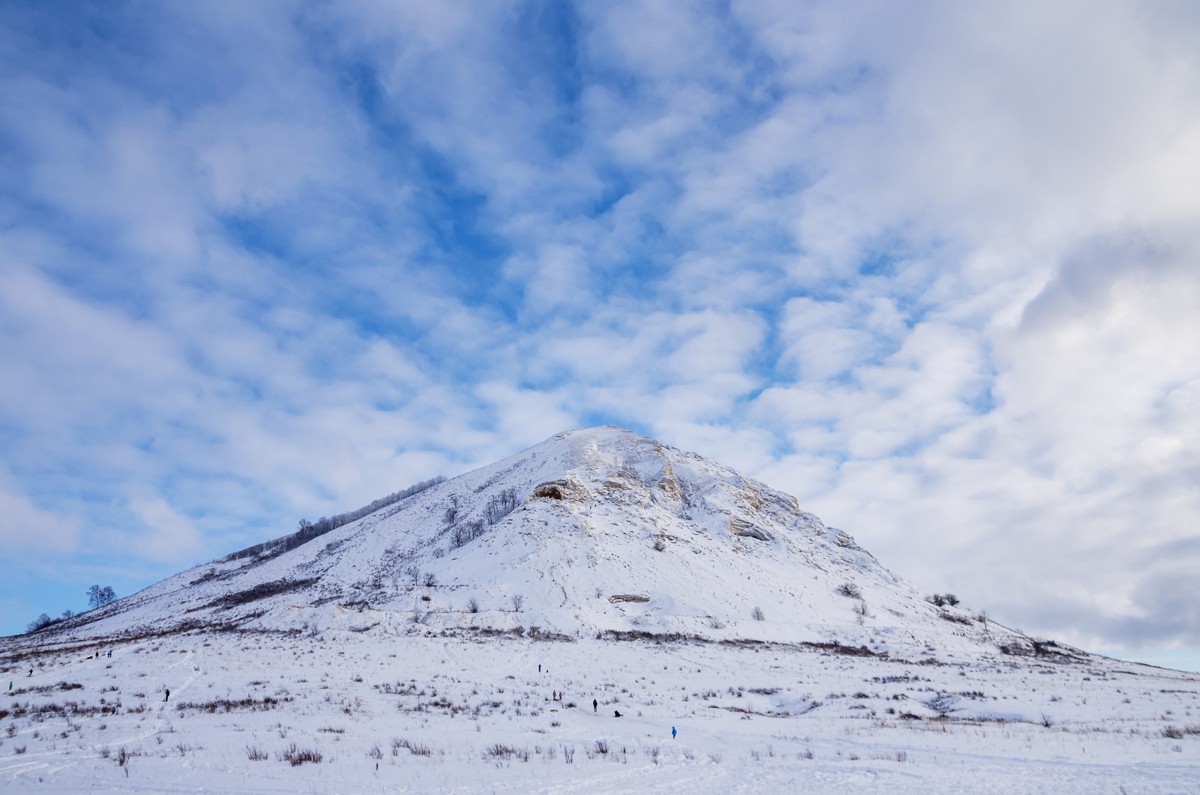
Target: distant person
<point>616,713</point>
<point>595,705</point>
<point>167,696</point>
<point>672,732</point>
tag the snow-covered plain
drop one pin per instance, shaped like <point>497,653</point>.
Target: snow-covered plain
<point>432,714</point>
<point>422,648</point>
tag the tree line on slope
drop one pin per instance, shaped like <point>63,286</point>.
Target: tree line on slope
<point>306,531</point>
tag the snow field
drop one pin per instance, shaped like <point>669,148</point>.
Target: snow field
<point>253,712</point>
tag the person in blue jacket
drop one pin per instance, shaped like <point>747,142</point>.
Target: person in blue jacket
<point>672,732</point>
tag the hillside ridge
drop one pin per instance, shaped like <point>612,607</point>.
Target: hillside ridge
<point>593,532</point>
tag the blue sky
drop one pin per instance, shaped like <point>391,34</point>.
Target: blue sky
<point>932,268</point>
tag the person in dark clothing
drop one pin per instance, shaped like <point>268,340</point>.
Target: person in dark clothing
<point>616,713</point>
<point>595,705</point>
<point>167,697</point>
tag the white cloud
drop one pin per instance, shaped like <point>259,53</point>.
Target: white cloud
<point>26,527</point>
<point>168,537</point>
<point>931,268</point>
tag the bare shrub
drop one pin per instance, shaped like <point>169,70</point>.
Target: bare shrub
<point>230,705</point>
<point>416,749</point>
<point>499,751</point>
<point>255,754</point>
<point>376,752</point>
<point>568,754</point>
<point>297,756</point>
<point>472,605</point>
<point>757,614</point>
<point>850,590</point>
<point>601,747</point>
<point>430,580</point>
<point>259,592</point>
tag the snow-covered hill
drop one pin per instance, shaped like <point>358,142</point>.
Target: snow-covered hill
<point>546,624</point>
<point>591,532</point>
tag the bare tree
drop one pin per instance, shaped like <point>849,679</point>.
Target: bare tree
<point>500,506</point>
<point>472,605</point>
<point>99,597</point>
<point>757,614</point>
<point>41,622</point>
<point>430,580</point>
<point>517,602</point>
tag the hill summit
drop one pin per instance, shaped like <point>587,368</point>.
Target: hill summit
<point>594,532</point>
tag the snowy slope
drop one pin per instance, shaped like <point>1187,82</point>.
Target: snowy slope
<point>612,532</point>
<point>608,532</point>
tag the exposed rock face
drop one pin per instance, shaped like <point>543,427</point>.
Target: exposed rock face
<point>567,489</point>
<point>740,527</point>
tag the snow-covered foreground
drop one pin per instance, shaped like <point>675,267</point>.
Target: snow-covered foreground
<point>364,712</point>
